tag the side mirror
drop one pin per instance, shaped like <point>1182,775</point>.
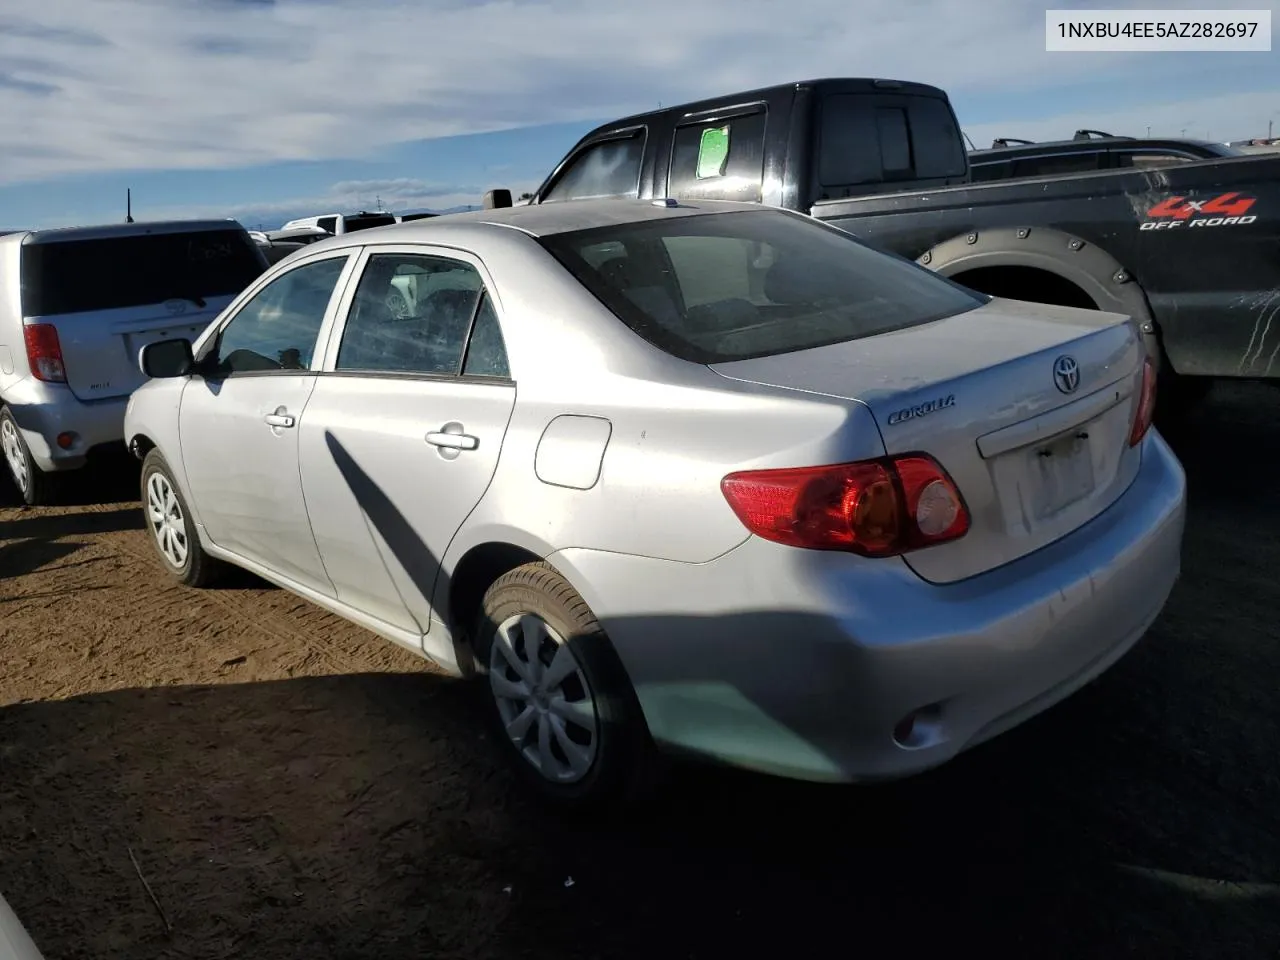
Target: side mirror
<point>498,197</point>
<point>166,358</point>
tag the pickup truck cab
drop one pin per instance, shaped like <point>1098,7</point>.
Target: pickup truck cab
<point>76,306</point>
<point>1188,249</point>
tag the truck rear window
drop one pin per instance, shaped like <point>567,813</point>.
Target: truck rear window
<point>734,286</point>
<point>79,276</point>
<point>367,223</point>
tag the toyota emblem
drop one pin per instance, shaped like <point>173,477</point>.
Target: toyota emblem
<point>1066,374</point>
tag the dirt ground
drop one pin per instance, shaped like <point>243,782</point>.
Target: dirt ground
<point>290,786</point>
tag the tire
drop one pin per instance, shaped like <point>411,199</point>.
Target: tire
<point>610,730</point>
<point>176,541</point>
<point>35,487</point>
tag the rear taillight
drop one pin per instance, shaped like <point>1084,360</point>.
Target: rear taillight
<point>1146,404</point>
<point>877,508</point>
<point>44,352</point>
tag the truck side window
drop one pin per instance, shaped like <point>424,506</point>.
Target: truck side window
<point>737,175</point>
<point>607,169</point>
<point>879,138</point>
<point>1066,163</point>
<point>1145,161</point>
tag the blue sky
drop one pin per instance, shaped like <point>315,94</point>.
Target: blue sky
<point>269,109</point>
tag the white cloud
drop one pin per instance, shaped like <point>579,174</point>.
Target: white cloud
<point>196,83</point>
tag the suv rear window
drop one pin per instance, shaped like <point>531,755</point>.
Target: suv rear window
<point>79,276</point>
<point>733,286</point>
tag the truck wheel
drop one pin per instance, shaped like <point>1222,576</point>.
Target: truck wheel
<point>173,532</point>
<point>36,487</point>
<point>561,703</point>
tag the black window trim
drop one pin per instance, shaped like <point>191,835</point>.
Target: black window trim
<point>343,315</point>
<point>640,130</point>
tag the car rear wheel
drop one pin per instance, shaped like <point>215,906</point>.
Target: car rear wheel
<point>34,485</point>
<point>172,530</point>
<point>563,707</point>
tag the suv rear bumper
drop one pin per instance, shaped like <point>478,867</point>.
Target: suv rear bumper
<point>45,410</point>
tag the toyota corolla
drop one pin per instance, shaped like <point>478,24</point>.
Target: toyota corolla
<point>696,477</point>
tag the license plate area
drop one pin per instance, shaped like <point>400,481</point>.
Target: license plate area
<point>1059,472</point>
<point>133,342</point>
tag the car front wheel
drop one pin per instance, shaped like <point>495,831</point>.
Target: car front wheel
<point>563,706</point>
<point>172,530</point>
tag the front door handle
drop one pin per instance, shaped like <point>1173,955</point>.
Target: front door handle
<point>279,420</point>
<point>453,441</point>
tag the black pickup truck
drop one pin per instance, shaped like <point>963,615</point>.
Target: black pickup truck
<point>1191,250</point>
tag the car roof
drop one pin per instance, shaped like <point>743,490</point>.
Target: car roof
<point>541,220</point>
<point>110,231</point>
<point>1096,144</point>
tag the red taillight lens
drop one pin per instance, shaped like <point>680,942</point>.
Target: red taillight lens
<point>44,352</point>
<point>1146,404</point>
<point>877,508</point>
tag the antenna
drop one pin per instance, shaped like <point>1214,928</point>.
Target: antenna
<point>128,205</point>
<point>970,140</point>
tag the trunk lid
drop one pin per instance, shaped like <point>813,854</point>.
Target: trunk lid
<point>100,348</point>
<point>979,392</point>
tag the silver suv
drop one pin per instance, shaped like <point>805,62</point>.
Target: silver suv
<point>76,306</point>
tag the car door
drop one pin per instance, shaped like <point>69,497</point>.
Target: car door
<point>239,420</point>
<point>403,430</point>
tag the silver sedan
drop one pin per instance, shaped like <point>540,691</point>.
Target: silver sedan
<point>707,478</point>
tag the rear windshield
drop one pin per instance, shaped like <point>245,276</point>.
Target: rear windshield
<point>364,223</point>
<point>733,286</point>
<point>79,276</point>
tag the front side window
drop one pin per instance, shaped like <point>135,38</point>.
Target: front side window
<point>277,329</point>
<point>608,169</point>
<point>414,313</point>
<point>732,286</point>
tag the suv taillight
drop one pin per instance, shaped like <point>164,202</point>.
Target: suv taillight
<point>44,352</point>
<point>876,508</point>
<point>1146,404</point>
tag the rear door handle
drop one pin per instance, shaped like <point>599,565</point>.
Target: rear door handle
<point>453,441</point>
<point>279,419</point>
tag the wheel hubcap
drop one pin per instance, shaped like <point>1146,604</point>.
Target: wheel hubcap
<point>168,525</point>
<point>14,455</point>
<point>543,699</point>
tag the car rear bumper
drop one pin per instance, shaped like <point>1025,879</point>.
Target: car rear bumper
<point>45,410</point>
<point>803,663</point>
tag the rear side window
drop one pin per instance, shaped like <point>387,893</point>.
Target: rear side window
<point>607,169</point>
<point>731,286</point>
<point>1145,161</point>
<point>721,160</point>
<point>1064,164</point>
<point>875,138</point>
<point>79,276</point>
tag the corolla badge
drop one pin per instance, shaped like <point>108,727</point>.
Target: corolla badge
<point>175,307</point>
<point>1066,374</point>
<point>921,409</point>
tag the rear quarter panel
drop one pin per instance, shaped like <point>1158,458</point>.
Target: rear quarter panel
<point>675,429</point>
<point>1211,287</point>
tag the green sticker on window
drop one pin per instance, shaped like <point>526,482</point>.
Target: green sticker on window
<point>713,152</point>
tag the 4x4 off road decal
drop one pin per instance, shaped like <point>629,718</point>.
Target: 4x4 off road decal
<point>1224,210</point>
